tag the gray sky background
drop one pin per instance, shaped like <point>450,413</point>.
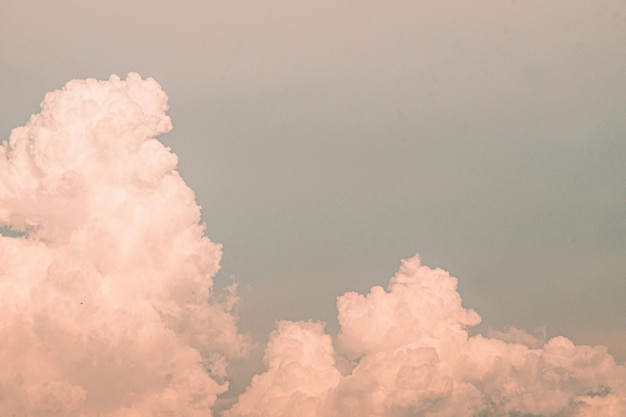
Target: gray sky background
<point>327,140</point>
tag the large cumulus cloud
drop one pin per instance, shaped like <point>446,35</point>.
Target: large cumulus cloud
<point>106,300</point>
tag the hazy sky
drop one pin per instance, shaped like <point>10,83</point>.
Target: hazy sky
<point>327,140</point>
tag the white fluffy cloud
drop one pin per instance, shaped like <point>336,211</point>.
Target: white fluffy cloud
<point>107,303</point>
<point>411,355</point>
<point>301,370</point>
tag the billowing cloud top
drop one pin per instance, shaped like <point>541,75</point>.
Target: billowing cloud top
<point>410,355</point>
<point>107,304</point>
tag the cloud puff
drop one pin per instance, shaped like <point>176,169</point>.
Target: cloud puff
<point>408,353</point>
<point>107,302</point>
<point>301,371</point>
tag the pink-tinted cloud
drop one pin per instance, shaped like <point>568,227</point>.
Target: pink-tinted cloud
<point>411,355</point>
<point>301,371</point>
<point>108,307</point>
<point>107,303</point>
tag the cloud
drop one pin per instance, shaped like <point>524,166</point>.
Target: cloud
<point>301,371</point>
<point>409,354</point>
<point>107,303</point>
<point>108,306</point>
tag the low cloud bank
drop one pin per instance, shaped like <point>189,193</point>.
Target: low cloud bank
<point>406,352</point>
<point>108,306</point>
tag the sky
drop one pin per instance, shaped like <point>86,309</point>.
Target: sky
<point>327,141</point>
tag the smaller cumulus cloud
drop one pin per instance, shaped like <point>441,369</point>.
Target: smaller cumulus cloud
<point>405,351</point>
<point>301,371</point>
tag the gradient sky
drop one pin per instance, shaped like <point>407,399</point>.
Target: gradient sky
<point>327,140</point>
